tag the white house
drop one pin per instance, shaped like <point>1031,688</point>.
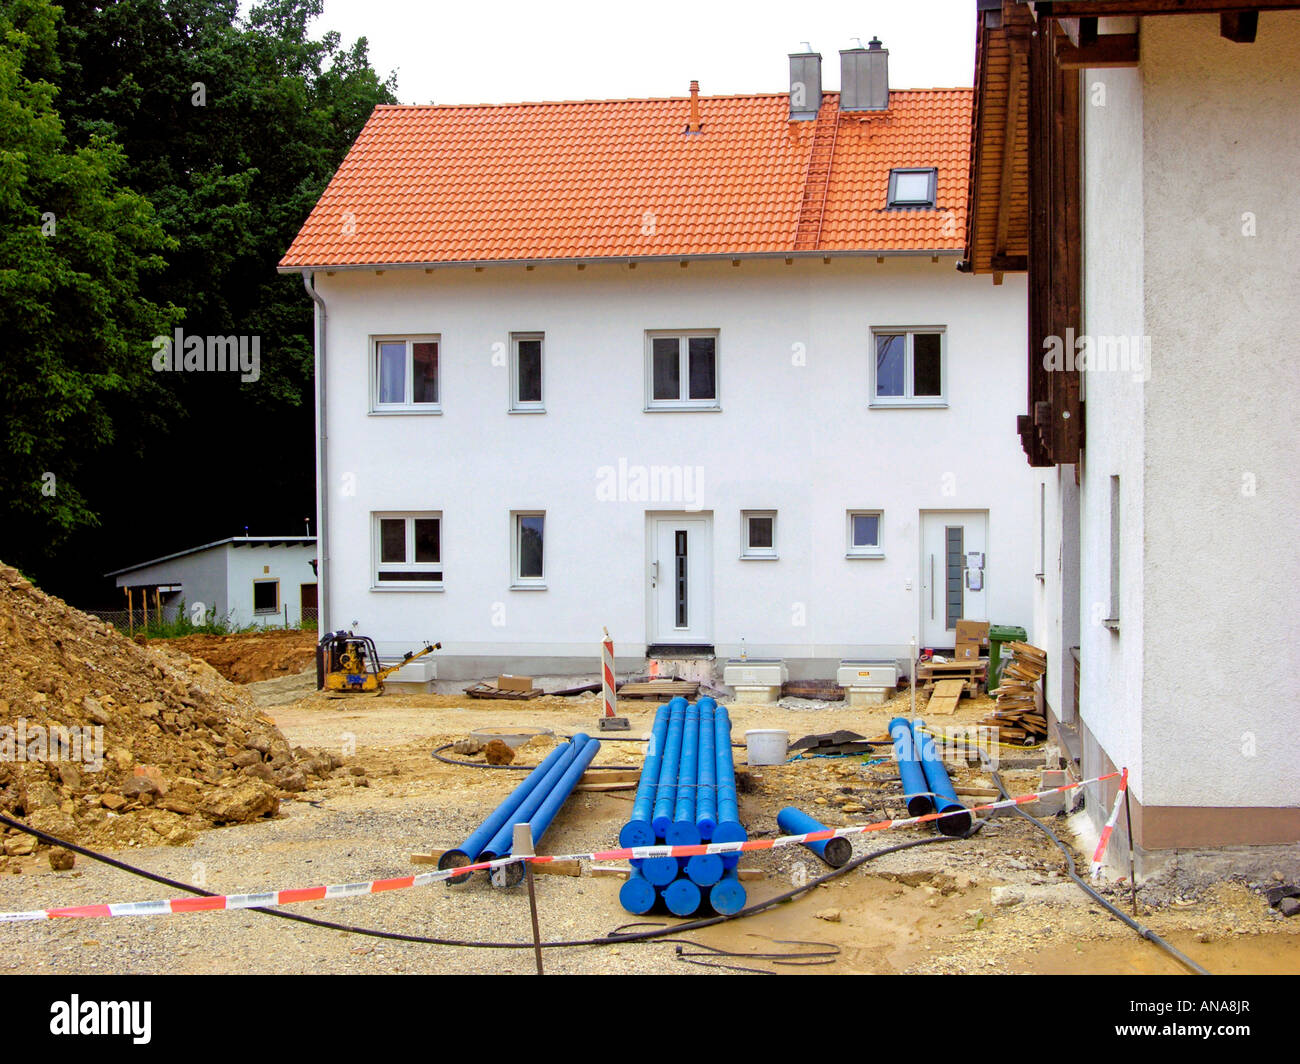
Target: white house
<point>1155,153</point>
<point>241,581</point>
<point>698,370</point>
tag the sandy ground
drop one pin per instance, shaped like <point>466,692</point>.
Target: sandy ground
<point>929,909</point>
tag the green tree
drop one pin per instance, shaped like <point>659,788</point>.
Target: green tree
<point>76,248</point>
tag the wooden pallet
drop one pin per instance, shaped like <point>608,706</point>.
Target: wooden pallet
<point>660,689</point>
<point>487,690</point>
<point>945,670</point>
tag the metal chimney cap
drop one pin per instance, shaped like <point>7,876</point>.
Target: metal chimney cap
<point>875,45</point>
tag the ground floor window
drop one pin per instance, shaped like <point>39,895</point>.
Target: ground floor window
<point>864,534</point>
<point>529,537</point>
<point>408,550</point>
<point>266,596</point>
<point>758,534</point>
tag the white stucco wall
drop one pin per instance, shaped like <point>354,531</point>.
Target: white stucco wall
<point>1056,595</point>
<point>1222,497</point>
<point>290,564</point>
<point>794,434</point>
<point>1111,662</point>
<point>201,575</point>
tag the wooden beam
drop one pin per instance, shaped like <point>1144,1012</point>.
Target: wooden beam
<point>1015,88</point>
<point>1112,50</point>
<point>1059,9</point>
<point>1239,27</point>
<point>1010,263</point>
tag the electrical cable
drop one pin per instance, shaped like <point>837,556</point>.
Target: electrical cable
<point>613,938</point>
<point>1142,930</point>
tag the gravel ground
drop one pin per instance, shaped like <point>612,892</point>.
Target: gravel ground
<point>929,909</point>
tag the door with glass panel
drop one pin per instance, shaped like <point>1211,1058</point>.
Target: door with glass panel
<point>954,573</point>
<point>681,581</point>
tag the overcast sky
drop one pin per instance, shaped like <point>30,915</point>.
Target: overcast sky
<point>501,51</point>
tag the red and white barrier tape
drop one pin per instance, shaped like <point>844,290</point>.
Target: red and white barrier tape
<point>351,890</point>
<point>1104,841</point>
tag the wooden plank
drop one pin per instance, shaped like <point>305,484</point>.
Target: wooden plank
<point>615,775</point>
<point>626,785</point>
<point>432,857</point>
<point>558,868</point>
<point>947,693</point>
<point>1109,50</point>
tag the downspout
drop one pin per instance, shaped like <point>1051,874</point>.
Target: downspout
<point>322,463</point>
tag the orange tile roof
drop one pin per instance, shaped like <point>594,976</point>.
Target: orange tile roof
<point>622,179</point>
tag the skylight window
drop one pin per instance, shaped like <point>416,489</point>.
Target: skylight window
<point>912,188</point>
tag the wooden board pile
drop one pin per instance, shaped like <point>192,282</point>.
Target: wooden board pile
<point>1017,715</point>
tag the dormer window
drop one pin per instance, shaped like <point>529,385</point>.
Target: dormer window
<point>912,188</point>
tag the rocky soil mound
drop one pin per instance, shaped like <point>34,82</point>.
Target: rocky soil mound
<point>246,657</point>
<point>109,743</point>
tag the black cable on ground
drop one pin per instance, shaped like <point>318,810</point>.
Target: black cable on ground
<point>611,939</point>
<point>1142,930</point>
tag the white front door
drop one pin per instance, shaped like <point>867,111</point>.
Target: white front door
<point>681,580</point>
<point>954,573</point>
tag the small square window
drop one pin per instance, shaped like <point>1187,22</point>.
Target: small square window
<point>912,187</point>
<point>758,534</point>
<point>864,534</point>
<point>408,551</point>
<point>266,596</point>
<point>526,372</point>
<point>406,375</point>
<point>682,370</point>
<point>529,537</point>
<point>909,367</point>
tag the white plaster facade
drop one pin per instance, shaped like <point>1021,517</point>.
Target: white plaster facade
<point>795,433</point>
<point>1191,225</point>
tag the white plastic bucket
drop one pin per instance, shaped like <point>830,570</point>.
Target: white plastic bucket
<point>766,746</point>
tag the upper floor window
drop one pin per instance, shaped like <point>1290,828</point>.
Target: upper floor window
<point>681,370</point>
<point>908,368</point>
<point>912,187</point>
<point>526,373</point>
<point>406,374</point>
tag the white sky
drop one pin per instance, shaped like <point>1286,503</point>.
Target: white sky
<point>502,51</point>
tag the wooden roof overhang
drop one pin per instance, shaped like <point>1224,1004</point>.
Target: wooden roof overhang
<point>1024,197</point>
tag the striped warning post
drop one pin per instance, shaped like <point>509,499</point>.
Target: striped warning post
<point>607,673</point>
<point>1104,841</point>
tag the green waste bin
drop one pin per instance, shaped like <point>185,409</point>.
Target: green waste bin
<point>999,634</point>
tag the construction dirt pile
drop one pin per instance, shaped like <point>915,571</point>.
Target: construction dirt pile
<point>110,743</point>
<point>250,656</point>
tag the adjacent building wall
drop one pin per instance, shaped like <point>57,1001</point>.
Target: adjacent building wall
<point>289,563</point>
<point>794,434</point>
<point>1221,493</point>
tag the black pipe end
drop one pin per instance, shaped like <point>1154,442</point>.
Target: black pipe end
<point>919,805</point>
<point>838,852</point>
<point>455,859</point>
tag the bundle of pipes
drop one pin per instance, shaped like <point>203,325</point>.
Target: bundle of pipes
<point>686,796</point>
<point>926,786</point>
<point>534,802</point>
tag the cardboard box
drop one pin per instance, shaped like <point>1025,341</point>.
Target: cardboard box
<point>514,683</point>
<point>966,652</point>
<point>973,632</point>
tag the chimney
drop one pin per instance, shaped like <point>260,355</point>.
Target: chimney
<point>693,126</point>
<point>864,78</point>
<point>805,85</point>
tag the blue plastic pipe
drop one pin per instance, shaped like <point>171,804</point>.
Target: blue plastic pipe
<point>559,794</point>
<point>958,820</point>
<point>915,789</point>
<point>666,792</point>
<point>704,869</point>
<point>729,828</point>
<point>706,799</point>
<point>682,831</point>
<point>502,842</point>
<point>660,871</point>
<point>638,831</point>
<point>637,895</point>
<point>835,852</point>
<point>682,897</point>
<point>468,851</point>
<point>727,896</point>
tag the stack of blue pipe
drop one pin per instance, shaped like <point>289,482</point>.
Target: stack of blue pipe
<point>686,796</point>
<point>926,786</point>
<point>534,802</point>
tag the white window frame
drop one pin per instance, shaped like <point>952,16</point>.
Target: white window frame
<point>747,550</point>
<point>909,332</point>
<point>876,550</point>
<point>517,405</point>
<point>411,565</point>
<point>407,407</point>
<point>683,372</point>
<point>265,612</point>
<point>519,582</point>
